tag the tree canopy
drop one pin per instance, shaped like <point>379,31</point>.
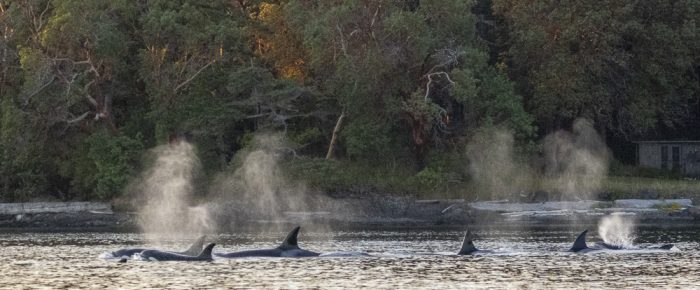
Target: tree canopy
<point>86,87</point>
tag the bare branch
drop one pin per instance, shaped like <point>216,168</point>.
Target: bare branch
<point>187,81</point>
<point>185,64</point>
<point>41,88</point>
<point>430,81</point>
<point>451,56</point>
<point>87,94</point>
<point>78,119</point>
<point>334,136</point>
<point>93,69</point>
<point>371,25</point>
<point>30,9</point>
<point>374,17</point>
<point>41,16</point>
<point>57,59</point>
<point>257,115</point>
<point>342,40</point>
<point>69,84</point>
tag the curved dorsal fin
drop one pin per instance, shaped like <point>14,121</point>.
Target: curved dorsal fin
<point>291,240</point>
<point>467,244</point>
<point>580,242</point>
<point>196,247</point>
<point>206,253</point>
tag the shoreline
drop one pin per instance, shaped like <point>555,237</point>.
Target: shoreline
<point>376,211</point>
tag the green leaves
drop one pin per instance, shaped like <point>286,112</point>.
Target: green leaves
<point>88,85</point>
<point>190,51</point>
<point>103,164</point>
<point>630,66</point>
<point>406,73</point>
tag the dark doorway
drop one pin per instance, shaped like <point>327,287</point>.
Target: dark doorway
<point>676,152</point>
<point>664,157</point>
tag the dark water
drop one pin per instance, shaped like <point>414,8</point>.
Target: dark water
<point>406,258</point>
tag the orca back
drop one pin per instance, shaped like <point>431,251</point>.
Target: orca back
<point>604,245</point>
<point>126,252</point>
<point>252,253</point>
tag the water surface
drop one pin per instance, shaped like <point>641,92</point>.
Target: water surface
<point>405,258</point>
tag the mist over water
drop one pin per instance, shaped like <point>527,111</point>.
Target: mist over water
<point>618,230</point>
<point>493,166</point>
<point>166,209</point>
<point>576,163</point>
<point>263,182</point>
<point>259,184</point>
<point>255,188</point>
<point>572,164</point>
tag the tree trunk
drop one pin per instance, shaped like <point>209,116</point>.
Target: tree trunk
<point>107,114</point>
<point>419,139</point>
<point>334,138</point>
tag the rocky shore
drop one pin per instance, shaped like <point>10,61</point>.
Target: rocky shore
<point>364,211</point>
<point>63,216</point>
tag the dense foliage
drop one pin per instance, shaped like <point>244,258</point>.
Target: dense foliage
<point>631,66</point>
<point>87,86</point>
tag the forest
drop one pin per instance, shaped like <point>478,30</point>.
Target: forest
<point>380,95</point>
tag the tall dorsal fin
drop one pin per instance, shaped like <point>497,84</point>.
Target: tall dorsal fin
<point>467,244</point>
<point>291,240</point>
<point>196,247</point>
<point>580,242</point>
<point>206,253</point>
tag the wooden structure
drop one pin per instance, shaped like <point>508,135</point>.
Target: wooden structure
<point>680,156</point>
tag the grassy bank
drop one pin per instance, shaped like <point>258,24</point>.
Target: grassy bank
<point>631,187</point>
<point>347,177</point>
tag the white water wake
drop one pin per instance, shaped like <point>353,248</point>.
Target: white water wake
<point>618,230</point>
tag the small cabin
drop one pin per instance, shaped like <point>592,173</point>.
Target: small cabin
<point>680,156</point>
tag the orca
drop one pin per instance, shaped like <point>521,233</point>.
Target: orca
<point>468,247</point>
<point>288,248</point>
<point>580,246</point>
<point>666,247</point>
<point>160,256</point>
<point>194,249</point>
<point>607,246</point>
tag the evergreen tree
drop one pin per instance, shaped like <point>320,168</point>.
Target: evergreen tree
<point>630,66</point>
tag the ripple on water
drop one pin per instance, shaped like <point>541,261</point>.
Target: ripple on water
<point>400,260</point>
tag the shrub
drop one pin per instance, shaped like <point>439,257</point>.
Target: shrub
<point>103,164</point>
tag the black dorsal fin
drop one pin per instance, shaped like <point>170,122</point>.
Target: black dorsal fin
<point>467,244</point>
<point>580,243</point>
<point>196,247</point>
<point>206,253</point>
<point>291,240</point>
